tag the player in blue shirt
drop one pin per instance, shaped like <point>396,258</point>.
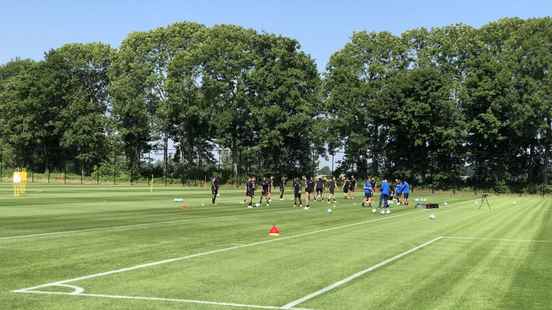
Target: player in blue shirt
<point>385,192</point>
<point>405,192</point>
<point>398,191</point>
<point>368,193</point>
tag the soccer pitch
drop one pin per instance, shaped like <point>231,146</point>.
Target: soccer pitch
<point>93,247</point>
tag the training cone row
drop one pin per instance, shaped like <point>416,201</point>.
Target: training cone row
<point>274,231</point>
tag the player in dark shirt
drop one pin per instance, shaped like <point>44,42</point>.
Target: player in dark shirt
<point>297,193</point>
<point>331,189</point>
<point>215,184</point>
<point>283,181</point>
<point>309,190</point>
<point>250,191</point>
<point>265,184</point>
<point>346,186</point>
<point>319,189</point>
<point>352,187</point>
<point>271,185</point>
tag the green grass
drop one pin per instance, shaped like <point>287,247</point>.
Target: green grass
<point>55,233</point>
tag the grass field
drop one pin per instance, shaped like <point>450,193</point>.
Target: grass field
<point>91,247</point>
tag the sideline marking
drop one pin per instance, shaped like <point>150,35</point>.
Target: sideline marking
<point>496,239</point>
<point>192,301</point>
<point>170,260</point>
<point>107,228</point>
<point>335,285</point>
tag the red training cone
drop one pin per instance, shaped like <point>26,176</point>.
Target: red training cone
<point>274,231</point>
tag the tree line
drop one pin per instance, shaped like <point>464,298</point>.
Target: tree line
<point>445,107</point>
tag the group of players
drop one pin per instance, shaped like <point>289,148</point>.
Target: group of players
<point>307,190</point>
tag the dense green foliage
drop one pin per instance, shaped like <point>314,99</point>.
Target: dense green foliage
<point>455,101</point>
<point>442,107</point>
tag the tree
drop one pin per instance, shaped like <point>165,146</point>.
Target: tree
<point>354,80</point>
<point>140,73</point>
<point>30,114</point>
<point>426,128</point>
<point>81,73</point>
<point>258,93</point>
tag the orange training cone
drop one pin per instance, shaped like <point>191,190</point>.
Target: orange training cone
<point>274,231</point>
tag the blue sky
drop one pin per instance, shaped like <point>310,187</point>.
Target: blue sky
<point>28,28</point>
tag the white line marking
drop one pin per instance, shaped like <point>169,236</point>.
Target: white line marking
<point>171,260</point>
<point>328,288</point>
<point>76,289</point>
<point>497,239</point>
<point>109,228</point>
<point>193,301</point>
<point>114,228</point>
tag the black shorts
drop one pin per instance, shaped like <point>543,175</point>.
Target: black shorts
<point>249,194</point>
<point>345,190</point>
<point>405,195</point>
<point>297,195</point>
<point>319,190</point>
<point>265,193</point>
<point>368,195</point>
<point>332,191</point>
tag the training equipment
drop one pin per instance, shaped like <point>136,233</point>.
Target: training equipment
<point>257,205</point>
<point>374,210</point>
<point>19,182</point>
<point>274,231</point>
<point>432,216</point>
<point>484,200</point>
<point>178,200</point>
<point>446,203</point>
<point>432,206</point>
<point>330,210</point>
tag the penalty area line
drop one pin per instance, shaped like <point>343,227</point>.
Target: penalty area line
<point>174,300</point>
<point>292,304</point>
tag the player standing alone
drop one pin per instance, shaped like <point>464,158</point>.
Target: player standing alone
<point>346,186</point>
<point>331,189</point>
<point>297,193</point>
<point>215,184</point>
<point>250,191</point>
<point>309,190</point>
<point>282,187</point>
<point>385,192</point>
<point>405,191</point>
<point>265,192</point>
<point>352,187</point>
